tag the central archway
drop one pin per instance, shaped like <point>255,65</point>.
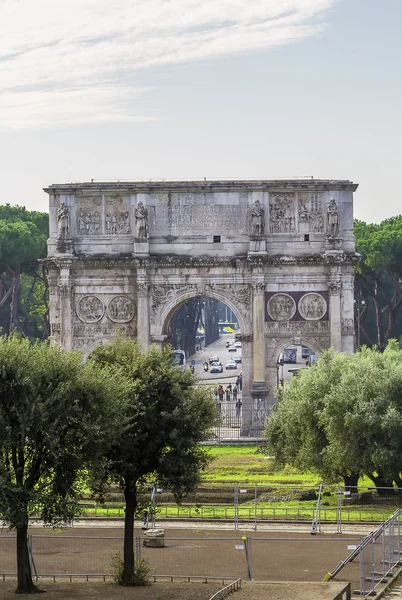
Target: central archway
<point>240,425</point>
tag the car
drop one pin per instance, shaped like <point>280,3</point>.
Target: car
<point>237,359</point>
<point>232,349</point>
<point>230,365</point>
<point>216,368</point>
<point>217,363</point>
<point>212,359</point>
<point>237,344</point>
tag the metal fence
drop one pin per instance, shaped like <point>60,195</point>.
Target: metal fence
<point>380,555</point>
<point>297,558</point>
<point>258,504</point>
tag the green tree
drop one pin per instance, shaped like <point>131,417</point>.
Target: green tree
<point>379,278</point>
<point>23,236</point>
<point>167,417</point>
<point>55,415</point>
<point>343,417</point>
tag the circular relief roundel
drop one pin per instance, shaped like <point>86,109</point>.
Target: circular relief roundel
<point>90,309</point>
<point>281,307</point>
<point>312,307</point>
<point>121,309</point>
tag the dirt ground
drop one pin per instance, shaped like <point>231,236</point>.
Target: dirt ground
<point>181,591</point>
<point>275,556</point>
<point>108,591</point>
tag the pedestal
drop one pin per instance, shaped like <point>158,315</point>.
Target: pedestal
<point>259,395</point>
<point>65,246</point>
<point>258,246</point>
<point>141,247</point>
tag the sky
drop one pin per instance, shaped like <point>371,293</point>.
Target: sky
<point>187,89</point>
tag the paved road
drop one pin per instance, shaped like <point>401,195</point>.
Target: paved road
<point>217,349</point>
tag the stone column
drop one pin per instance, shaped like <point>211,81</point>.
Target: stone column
<point>334,290</point>
<point>65,293</point>
<point>258,333</point>
<point>259,389</point>
<point>348,310</point>
<point>143,313</point>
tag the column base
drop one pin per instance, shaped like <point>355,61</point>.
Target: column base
<point>259,395</point>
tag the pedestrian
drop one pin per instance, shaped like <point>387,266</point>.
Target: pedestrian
<point>228,390</point>
<point>219,405</point>
<point>221,393</point>
<point>234,393</point>
<point>240,382</point>
<point>238,407</point>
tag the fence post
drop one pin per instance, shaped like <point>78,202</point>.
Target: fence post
<point>362,586</point>
<point>255,508</point>
<point>236,505</point>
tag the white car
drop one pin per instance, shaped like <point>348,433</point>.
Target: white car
<point>237,344</point>
<point>230,365</point>
<point>216,368</point>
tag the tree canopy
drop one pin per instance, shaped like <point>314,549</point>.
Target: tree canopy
<point>55,417</point>
<point>167,417</point>
<point>23,284</point>
<point>342,418</point>
<point>379,279</point>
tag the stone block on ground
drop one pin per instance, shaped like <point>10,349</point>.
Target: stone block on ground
<point>154,538</point>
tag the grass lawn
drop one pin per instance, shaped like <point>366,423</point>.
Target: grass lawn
<point>279,493</point>
<point>245,464</point>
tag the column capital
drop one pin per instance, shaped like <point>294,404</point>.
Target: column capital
<point>259,287</point>
<point>142,289</point>
<point>334,288</point>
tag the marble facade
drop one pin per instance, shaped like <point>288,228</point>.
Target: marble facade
<point>123,256</point>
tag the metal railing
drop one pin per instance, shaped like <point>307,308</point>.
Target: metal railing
<point>228,589</point>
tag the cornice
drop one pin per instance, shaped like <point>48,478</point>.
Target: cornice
<point>134,187</point>
<point>180,262</point>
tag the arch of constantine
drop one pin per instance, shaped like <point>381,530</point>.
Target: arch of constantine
<point>123,256</point>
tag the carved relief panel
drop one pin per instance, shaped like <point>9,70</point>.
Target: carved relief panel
<point>281,307</point>
<point>282,213</point>
<point>296,306</point>
<point>117,216</point>
<point>90,309</point>
<point>120,309</point>
<point>312,307</point>
<point>89,216</point>
<point>311,213</point>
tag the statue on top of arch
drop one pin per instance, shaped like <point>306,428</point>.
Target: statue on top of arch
<point>257,219</point>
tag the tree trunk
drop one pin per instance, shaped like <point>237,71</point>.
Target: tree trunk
<point>381,483</point>
<point>130,495</point>
<point>14,303</point>
<point>350,482</point>
<point>25,583</point>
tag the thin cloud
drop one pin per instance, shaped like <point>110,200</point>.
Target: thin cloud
<point>67,62</point>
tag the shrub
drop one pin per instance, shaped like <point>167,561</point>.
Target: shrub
<point>141,571</point>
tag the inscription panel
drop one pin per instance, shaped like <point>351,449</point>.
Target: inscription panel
<point>198,218</point>
<point>297,327</point>
<point>101,329</point>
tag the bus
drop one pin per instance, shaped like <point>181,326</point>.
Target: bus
<point>227,327</point>
<point>179,360</point>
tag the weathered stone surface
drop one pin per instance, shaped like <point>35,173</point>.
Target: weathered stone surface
<point>123,256</point>
<point>154,538</point>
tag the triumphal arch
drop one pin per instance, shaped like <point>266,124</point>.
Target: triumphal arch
<point>123,256</point>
